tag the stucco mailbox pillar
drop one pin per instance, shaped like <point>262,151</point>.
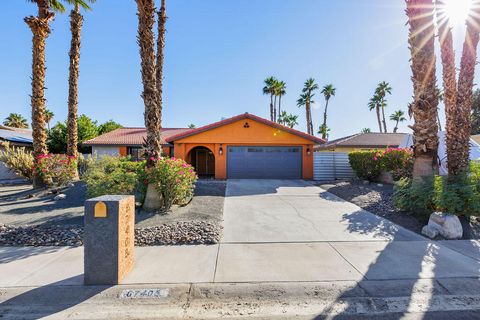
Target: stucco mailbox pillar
<point>108,239</point>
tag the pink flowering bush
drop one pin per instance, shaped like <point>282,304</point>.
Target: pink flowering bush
<point>369,165</point>
<point>174,179</point>
<point>55,169</point>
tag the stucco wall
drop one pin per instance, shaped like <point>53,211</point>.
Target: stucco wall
<point>106,151</point>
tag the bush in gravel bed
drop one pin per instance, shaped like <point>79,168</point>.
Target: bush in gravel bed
<point>365,164</point>
<point>113,175</point>
<point>174,179</point>
<point>458,195</point>
<point>56,169</point>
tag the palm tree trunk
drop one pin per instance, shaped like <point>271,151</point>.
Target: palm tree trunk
<point>40,29</point>
<point>425,129</point>
<point>324,133</point>
<point>76,22</point>
<point>279,105</point>
<point>383,120</point>
<point>275,109</point>
<point>465,92</point>
<point>447,54</point>
<point>162,21</point>
<point>377,109</point>
<point>271,107</point>
<point>146,41</point>
<point>307,114</point>
<point>396,127</point>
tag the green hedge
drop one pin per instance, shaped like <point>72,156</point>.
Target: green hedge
<point>369,165</point>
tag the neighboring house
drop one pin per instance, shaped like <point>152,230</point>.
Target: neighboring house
<point>128,142</point>
<point>362,141</point>
<point>15,137</point>
<point>476,138</point>
<point>442,149</point>
<point>244,146</point>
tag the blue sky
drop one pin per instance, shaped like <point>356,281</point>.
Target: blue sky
<point>218,53</point>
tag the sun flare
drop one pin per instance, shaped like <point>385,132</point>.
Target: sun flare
<point>457,11</point>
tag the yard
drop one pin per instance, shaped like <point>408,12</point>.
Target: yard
<point>32,217</point>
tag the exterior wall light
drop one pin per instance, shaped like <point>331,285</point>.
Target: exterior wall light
<point>220,150</point>
<point>308,152</point>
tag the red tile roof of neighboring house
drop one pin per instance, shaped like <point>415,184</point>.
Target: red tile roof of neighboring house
<point>214,125</point>
<point>131,136</point>
<point>365,140</point>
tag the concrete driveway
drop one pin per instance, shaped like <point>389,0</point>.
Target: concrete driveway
<point>274,231</point>
<point>297,211</point>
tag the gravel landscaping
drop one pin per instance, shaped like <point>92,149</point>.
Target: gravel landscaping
<point>33,218</point>
<point>378,199</point>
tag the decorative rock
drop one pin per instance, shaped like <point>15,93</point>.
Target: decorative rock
<point>60,196</point>
<point>70,185</point>
<point>366,182</point>
<point>445,224</point>
<point>379,185</point>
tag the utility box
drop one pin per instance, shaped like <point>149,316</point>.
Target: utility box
<point>108,240</point>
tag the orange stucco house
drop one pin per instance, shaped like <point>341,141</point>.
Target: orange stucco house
<point>244,146</point>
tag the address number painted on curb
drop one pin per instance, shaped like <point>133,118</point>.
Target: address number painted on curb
<point>144,293</point>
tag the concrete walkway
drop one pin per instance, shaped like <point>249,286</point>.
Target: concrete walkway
<point>274,231</point>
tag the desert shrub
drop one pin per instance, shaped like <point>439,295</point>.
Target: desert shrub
<point>365,164</point>
<point>112,175</point>
<point>174,179</point>
<point>414,197</point>
<point>17,159</point>
<point>370,164</point>
<point>458,195</point>
<point>55,169</point>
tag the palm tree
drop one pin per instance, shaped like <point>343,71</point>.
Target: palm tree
<point>280,90</point>
<point>76,23</point>
<point>288,119</point>
<point>462,125</point>
<point>366,130</point>
<point>40,26</point>
<point>162,21</point>
<point>48,117</point>
<point>191,126</point>
<point>146,42</point>
<point>398,116</point>
<point>269,89</point>
<point>324,130</point>
<point>15,120</point>
<point>306,99</point>
<point>328,91</point>
<point>382,89</point>
<point>374,103</point>
<point>420,15</point>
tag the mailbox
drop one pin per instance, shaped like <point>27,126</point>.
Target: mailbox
<point>108,240</point>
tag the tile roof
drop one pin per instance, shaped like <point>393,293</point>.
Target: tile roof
<point>365,140</point>
<point>131,136</point>
<point>214,125</point>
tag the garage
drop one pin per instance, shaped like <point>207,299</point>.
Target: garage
<point>264,162</point>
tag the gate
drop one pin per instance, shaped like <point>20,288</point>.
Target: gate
<point>328,166</point>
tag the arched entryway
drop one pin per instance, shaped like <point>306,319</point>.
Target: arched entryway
<point>203,160</point>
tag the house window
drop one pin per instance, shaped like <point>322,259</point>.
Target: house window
<point>135,153</point>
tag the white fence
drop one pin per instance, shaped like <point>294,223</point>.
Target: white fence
<point>328,166</point>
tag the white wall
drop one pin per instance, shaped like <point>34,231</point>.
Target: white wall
<point>106,151</point>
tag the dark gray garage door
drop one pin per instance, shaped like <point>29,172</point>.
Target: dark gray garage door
<point>264,162</point>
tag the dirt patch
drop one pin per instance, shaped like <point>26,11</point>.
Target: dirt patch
<point>378,199</point>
